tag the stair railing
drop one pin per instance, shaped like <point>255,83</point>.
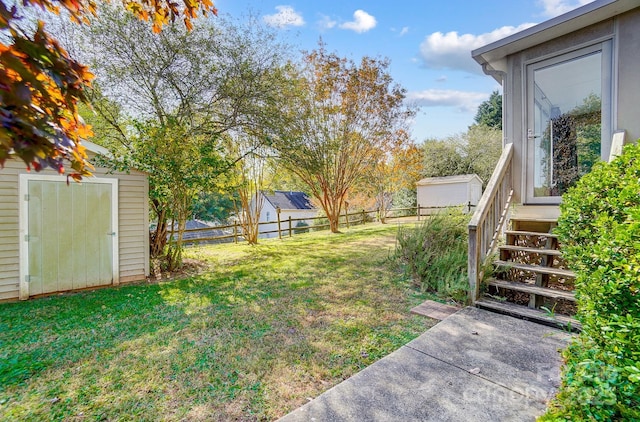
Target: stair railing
<point>489,219</point>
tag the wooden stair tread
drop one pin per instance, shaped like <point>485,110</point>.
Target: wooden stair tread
<point>526,233</point>
<point>532,288</point>
<point>529,314</point>
<point>535,268</point>
<point>534,219</point>
<point>541,251</point>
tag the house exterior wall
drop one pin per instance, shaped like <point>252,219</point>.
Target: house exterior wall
<point>623,32</point>
<point>268,213</point>
<point>449,194</point>
<point>628,54</point>
<point>515,127</point>
<point>133,238</point>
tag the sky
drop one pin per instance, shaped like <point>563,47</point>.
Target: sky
<point>428,42</point>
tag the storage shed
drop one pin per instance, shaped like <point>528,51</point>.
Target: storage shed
<point>449,191</point>
<point>58,237</point>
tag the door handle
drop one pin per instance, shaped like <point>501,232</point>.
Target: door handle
<point>530,134</point>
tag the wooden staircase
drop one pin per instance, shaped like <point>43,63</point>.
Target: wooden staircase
<point>530,279</point>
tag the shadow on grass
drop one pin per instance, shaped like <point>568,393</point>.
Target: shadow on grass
<point>248,340</point>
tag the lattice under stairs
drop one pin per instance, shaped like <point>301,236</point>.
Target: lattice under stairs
<point>530,279</point>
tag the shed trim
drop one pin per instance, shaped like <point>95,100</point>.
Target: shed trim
<point>463,178</point>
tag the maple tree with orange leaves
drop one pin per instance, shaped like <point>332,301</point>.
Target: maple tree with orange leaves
<point>41,86</point>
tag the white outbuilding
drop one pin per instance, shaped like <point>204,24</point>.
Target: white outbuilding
<point>449,191</point>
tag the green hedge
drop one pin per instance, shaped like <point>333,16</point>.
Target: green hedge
<point>599,229</point>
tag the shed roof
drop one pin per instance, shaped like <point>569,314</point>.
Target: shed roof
<point>289,200</point>
<point>96,149</point>
<point>461,178</point>
<point>492,56</point>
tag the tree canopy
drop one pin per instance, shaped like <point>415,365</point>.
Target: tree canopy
<point>174,104</point>
<point>474,151</point>
<point>342,118</point>
<point>41,86</point>
<point>490,112</point>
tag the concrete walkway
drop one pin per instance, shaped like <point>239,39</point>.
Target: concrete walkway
<point>473,366</point>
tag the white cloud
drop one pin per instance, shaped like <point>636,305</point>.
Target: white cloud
<point>325,22</point>
<point>286,16</point>
<point>554,8</point>
<point>453,51</point>
<point>362,22</point>
<point>404,30</point>
<point>466,101</point>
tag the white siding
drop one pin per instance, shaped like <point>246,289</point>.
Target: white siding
<point>443,195</point>
<point>9,231</point>
<point>284,219</point>
<point>449,194</point>
<point>267,214</point>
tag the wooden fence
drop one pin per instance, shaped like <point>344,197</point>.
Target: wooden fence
<point>287,227</point>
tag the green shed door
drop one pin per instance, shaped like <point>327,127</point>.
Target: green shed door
<point>70,235</point>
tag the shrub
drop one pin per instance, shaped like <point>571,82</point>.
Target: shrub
<point>301,227</point>
<point>435,253</point>
<point>599,229</point>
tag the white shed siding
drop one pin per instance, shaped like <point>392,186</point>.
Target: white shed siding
<point>475,193</point>
<point>449,191</point>
<point>445,195</point>
<point>133,226</point>
<point>9,232</point>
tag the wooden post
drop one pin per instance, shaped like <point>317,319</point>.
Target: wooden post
<point>235,232</point>
<point>346,213</point>
<point>289,226</point>
<point>279,229</point>
<point>469,206</point>
<point>473,264</point>
<point>419,212</point>
<point>363,216</point>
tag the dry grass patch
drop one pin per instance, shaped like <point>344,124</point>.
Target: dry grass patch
<point>251,338</point>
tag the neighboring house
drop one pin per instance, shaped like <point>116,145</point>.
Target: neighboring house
<point>571,95</point>
<point>57,237</point>
<point>294,205</point>
<point>448,191</point>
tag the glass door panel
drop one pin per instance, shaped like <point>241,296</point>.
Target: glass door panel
<point>565,123</point>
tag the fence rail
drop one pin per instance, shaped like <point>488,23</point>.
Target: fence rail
<point>286,227</point>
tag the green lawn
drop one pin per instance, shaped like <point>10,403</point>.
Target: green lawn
<point>251,338</point>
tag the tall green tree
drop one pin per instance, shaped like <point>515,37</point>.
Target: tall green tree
<point>490,112</point>
<point>394,170</point>
<point>341,117</point>
<point>475,151</point>
<point>214,206</point>
<point>172,100</point>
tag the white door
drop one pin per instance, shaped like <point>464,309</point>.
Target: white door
<point>568,120</point>
<point>70,239</point>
